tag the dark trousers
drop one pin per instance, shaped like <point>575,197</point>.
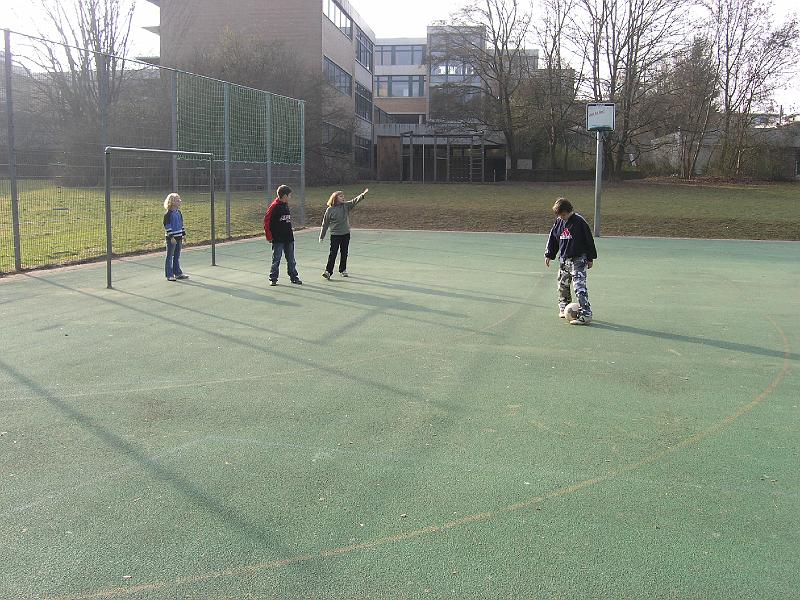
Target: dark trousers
<point>339,244</point>
<point>172,266</point>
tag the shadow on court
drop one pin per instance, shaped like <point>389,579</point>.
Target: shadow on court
<point>677,337</point>
<point>192,493</point>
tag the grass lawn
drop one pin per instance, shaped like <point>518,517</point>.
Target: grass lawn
<point>766,211</point>
<point>63,225</point>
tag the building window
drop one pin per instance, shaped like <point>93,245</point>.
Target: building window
<point>382,117</point>
<point>363,102</point>
<point>363,149</point>
<point>448,70</point>
<point>338,77</point>
<point>400,55</point>
<point>336,138</point>
<point>408,119</point>
<point>338,17</point>
<point>400,86</point>
<point>364,50</point>
<point>383,55</point>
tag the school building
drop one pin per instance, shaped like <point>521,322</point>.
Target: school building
<point>395,87</point>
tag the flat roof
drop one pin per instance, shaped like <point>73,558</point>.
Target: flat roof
<point>401,41</point>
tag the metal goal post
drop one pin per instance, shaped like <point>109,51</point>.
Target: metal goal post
<point>175,154</point>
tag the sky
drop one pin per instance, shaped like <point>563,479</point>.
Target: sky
<point>408,18</point>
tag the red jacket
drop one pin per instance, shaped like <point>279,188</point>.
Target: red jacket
<point>267,217</point>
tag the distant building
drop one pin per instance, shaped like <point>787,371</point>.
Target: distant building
<point>772,151</point>
<point>392,86</point>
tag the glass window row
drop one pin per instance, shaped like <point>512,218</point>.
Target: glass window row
<point>364,49</point>
<point>400,55</point>
<point>336,138</point>
<point>338,17</point>
<point>400,86</point>
<point>363,102</point>
<point>338,77</point>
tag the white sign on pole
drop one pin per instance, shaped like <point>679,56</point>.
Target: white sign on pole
<point>600,116</point>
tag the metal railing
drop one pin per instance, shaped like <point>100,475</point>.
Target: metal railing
<point>59,119</point>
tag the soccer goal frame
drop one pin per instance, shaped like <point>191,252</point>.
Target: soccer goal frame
<point>175,154</point>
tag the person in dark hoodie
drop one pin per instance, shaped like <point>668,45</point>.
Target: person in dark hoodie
<point>572,238</point>
<point>278,229</point>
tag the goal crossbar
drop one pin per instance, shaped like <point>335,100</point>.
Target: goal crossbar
<point>209,156</point>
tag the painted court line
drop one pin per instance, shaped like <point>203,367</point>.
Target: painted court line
<point>295,371</point>
<point>94,479</point>
<point>476,518</point>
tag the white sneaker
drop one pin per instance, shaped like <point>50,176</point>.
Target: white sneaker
<point>326,275</point>
<point>344,274</point>
<point>581,320</point>
<point>561,314</point>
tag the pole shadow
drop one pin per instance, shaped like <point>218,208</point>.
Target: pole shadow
<point>174,479</point>
<point>677,337</point>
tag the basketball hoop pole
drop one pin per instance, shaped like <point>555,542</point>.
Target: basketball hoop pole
<point>598,183</point>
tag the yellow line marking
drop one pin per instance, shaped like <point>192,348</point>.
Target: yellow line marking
<point>476,518</point>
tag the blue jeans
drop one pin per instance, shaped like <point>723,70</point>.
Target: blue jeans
<point>172,267</point>
<point>278,250</point>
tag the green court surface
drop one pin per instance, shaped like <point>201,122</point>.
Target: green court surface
<point>427,428</point>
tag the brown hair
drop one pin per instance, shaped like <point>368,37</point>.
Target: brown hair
<point>284,190</point>
<point>332,199</point>
<point>562,205</point>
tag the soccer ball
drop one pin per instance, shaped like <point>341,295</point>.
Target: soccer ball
<point>571,311</point>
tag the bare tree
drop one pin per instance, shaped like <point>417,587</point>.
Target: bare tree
<point>487,40</point>
<point>628,41</point>
<point>754,57</point>
<point>691,88</point>
<point>553,88</point>
<point>80,78</point>
<point>88,68</point>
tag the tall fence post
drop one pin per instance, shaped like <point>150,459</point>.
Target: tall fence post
<point>268,117</point>
<point>102,66</point>
<point>435,159</point>
<point>107,179</point>
<point>448,159</point>
<point>173,101</point>
<point>483,158</point>
<point>471,157</point>
<point>213,213</point>
<point>227,135</point>
<point>302,163</point>
<point>12,153</point>
<point>598,183</point>
<point>411,157</point>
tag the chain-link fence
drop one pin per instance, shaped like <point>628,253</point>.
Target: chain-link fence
<point>61,106</point>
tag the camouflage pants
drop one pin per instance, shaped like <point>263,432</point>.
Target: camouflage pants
<point>573,271</point>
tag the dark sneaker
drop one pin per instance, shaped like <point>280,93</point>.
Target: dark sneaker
<point>581,320</point>
<point>273,283</point>
<point>297,281</point>
<point>326,275</point>
<point>183,276</point>
<point>344,274</point>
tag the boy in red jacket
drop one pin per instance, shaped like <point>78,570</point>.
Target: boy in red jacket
<point>278,229</point>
